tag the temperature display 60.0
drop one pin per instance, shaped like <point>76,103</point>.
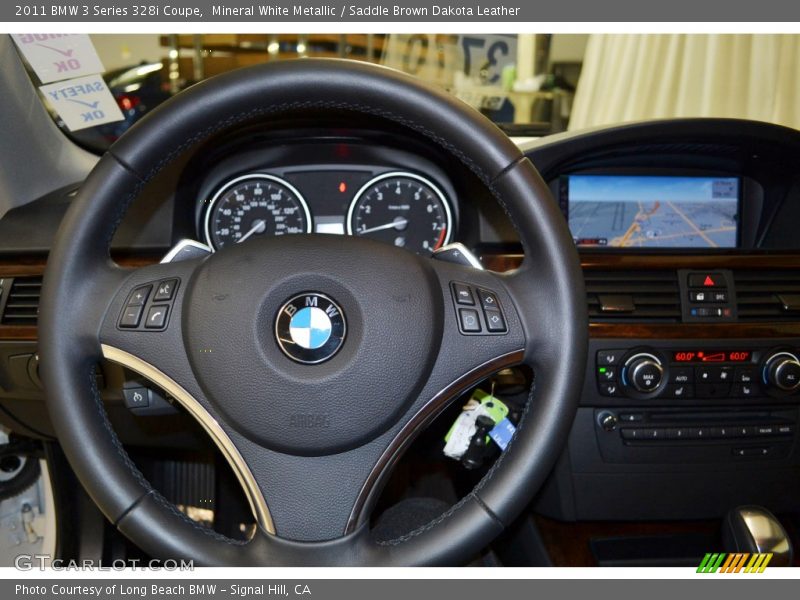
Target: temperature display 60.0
<point>707,356</point>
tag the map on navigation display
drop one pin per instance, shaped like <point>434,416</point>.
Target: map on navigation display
<point>622,211</point>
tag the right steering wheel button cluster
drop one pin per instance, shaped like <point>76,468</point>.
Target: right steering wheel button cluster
<point>487,318</point>
<point>157,314</point>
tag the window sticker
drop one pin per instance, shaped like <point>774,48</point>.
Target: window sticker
<point>82,102</point>
<point>55,57</point>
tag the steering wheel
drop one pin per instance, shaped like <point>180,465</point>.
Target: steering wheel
<point>311,360</point>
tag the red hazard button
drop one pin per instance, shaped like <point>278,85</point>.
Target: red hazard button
<point>706,280</point>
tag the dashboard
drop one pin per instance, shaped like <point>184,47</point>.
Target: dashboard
<point>686,232</point>
<point>415,210</point>
<point>641,198</point>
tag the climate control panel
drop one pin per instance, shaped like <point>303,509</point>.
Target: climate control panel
<point>678,373</point>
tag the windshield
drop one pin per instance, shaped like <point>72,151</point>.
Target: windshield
<point>530,84</point>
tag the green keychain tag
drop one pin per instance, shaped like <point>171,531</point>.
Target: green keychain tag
<point>495,407</point>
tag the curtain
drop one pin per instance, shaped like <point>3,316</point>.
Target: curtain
<point>634,77</point>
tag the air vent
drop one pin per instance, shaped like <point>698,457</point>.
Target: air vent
<point>768,295</point>
<point>22,301</point>
<point>645,296</point>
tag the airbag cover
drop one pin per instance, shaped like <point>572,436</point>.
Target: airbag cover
<point>392,304</point>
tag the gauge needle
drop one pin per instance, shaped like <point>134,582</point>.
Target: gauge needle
<point>258,227</point>
<point>398,223</point>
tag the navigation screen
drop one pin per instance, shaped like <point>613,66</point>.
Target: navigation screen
<point>621,211</point>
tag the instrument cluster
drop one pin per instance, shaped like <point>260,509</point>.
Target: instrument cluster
<point>409,209</point>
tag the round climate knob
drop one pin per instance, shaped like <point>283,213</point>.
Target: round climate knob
<point>782,371</point>
<point>644,372</point>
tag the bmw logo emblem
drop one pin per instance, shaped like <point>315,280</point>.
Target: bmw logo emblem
<point>310,328</point>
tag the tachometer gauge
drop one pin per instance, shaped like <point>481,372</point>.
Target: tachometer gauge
<point>403,209</point>
<point>253,205</point>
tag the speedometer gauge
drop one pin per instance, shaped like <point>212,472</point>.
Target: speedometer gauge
<point>403,209</point>
<point>254,205</point>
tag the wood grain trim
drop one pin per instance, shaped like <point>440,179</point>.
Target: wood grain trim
<point>759,260</point>
<point>11,267</point>
<point>17,333</point>
<point>614,261</point>
<point>21,267</point>
<point>696,331</point>
<point>501,262</point>
<point>34,266</point>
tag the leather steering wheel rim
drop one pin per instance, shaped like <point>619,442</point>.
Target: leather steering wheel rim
<point>82,290</point>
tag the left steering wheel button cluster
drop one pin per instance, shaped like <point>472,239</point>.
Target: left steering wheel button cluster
<point>132,313</point>
<point>157,311</point>
<point>488,318</point>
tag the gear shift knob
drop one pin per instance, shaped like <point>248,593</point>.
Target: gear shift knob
<point>754,529</point>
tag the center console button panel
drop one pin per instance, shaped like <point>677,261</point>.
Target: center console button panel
<point>707,296</point>
<point>625,435</point>
<point>698,372</point>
